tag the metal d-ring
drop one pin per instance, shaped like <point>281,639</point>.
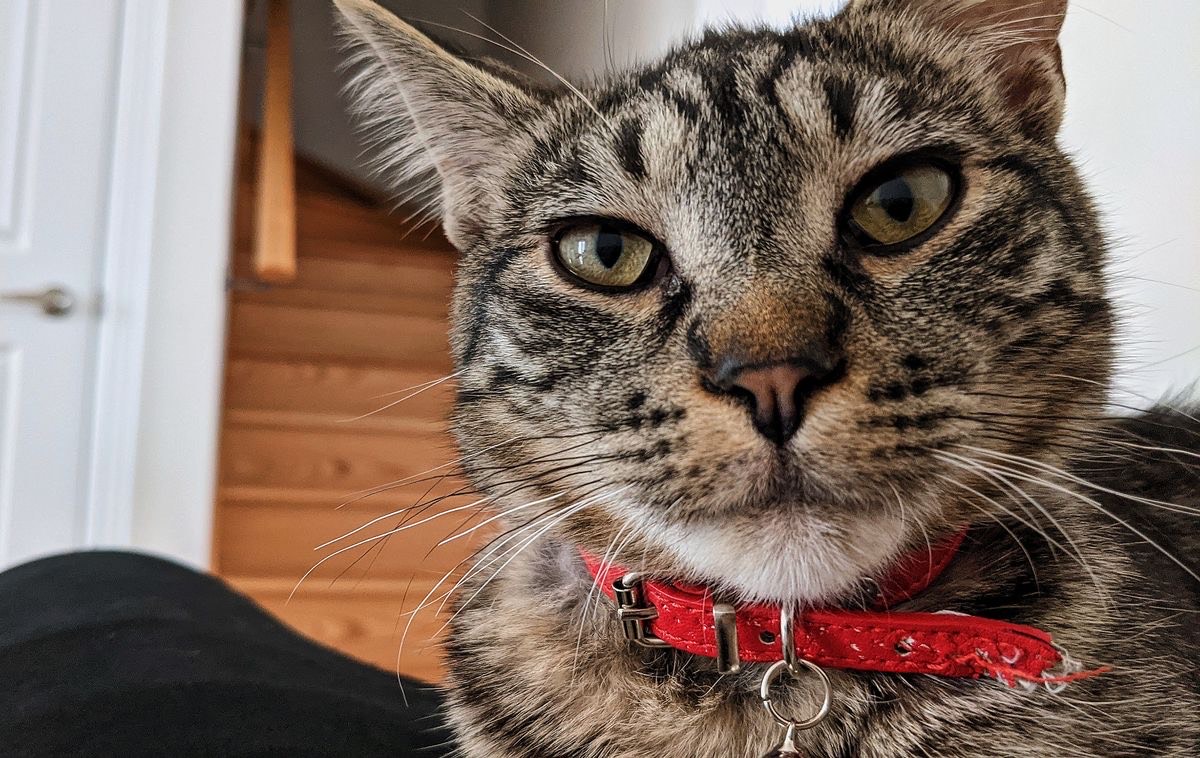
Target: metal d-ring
<point>791,663</point>
<point>773,673</point>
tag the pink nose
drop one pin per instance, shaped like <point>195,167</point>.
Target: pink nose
<point>776,392</point>
<point>773,388</point>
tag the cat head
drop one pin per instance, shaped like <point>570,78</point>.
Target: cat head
<point>760,314</point>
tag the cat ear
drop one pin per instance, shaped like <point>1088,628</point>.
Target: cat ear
<point>441,124</point>
<point>1021,38</point>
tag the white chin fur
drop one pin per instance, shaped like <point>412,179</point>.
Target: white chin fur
<point>804,560</point>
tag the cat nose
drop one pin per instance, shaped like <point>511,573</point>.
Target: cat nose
<point>775,392</point>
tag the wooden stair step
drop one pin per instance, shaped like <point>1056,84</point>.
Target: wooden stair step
<point>334,300</point>
<point>280,331</point>
<point>337,391</point>
<point>431,254</point>
<point>350,284</point>
<point>319,423</point>
<point>364,621</point>
<point>279,540</point>
<point>323,216</point>
<point>374,500</point>
<point>347,461</point>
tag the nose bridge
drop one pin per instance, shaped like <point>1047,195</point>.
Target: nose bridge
<point>762,326</point>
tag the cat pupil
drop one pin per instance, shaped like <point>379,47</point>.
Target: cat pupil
<point>609,246</point>
<point>896,199</point>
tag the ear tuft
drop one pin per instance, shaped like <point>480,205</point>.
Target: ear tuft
<point>1020,38</point>
<point>440,125</point>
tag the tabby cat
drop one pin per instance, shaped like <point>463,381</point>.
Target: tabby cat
<point>763,316</point>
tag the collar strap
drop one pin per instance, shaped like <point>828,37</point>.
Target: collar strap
<point>662,614</point>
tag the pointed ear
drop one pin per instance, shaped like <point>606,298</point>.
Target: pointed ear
<point>1021,39</point>
<point>441,124</point>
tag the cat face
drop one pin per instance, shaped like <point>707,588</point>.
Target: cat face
<point>743,316</point>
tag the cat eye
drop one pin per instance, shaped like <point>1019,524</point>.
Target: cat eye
<point>606,255</point>
<point>896,206</point>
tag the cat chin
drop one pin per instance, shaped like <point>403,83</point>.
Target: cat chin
<point>806,560</point>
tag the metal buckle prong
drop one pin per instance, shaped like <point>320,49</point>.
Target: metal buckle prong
<point>633,613</point>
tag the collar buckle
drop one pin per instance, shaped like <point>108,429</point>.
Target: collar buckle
<point>633,612</point>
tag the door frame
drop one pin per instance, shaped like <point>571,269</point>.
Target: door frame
<point>158,365</point>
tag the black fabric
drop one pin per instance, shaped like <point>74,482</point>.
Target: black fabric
<point>117,654</point>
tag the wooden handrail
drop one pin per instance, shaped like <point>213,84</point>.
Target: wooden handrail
<point>275,222</point>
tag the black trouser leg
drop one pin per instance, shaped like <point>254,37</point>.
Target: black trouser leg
<point>117,654</point>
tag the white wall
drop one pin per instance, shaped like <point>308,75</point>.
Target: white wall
<point>571,35</point>
<point>185,325</point>
<point>1133,106</point>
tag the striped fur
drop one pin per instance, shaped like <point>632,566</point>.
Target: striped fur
<point>975,375</point>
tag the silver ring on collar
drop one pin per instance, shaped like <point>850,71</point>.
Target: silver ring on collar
<point>774,672</point>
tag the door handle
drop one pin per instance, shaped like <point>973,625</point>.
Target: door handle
<point>54,301</point>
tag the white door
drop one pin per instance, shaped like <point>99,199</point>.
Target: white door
<point>58,69</point>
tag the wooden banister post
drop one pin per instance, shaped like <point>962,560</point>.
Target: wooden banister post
<point>275,218</point>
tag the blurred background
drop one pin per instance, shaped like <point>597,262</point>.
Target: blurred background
<point>208,305</point>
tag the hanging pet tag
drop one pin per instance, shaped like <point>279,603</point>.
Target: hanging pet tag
<point>788,748</point>
<point>791,663</point>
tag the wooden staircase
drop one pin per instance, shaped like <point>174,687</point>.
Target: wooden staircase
<point>364,316</point>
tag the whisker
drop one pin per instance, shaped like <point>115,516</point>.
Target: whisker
<point>354,497</point>
<point>1038,465</point>
<point>496,544</point>
<point>521,53</point>
<point>538,62</point>
<point>557,520</point>
<point>1074,551</point>
<point>1004,526</point>
<point>417,390</point>
<point>1099,507</point>
<point>493,519</point>
<point>386,516</point>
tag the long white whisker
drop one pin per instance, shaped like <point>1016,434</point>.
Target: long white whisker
<point>354,497</point>
<point>498,516</point>
<point>493,549</point>
<point>521,53</point>
<point>1005,527</point>
<point>605,563</point>
<point>567,513</point>
<point>1054,470</point>
<point>570,509</point>
<point>426,520</point>
<point>360,543</point>
<point>1123,391</point>
<point>1075,551</point>
<point>534,59</point>
<point>425,601</point>
<point>1098,506</point>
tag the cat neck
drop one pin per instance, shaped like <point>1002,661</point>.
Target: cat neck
<point>538,638</point>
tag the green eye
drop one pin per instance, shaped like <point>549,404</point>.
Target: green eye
<point>902,204</point>
<point>605,254</point>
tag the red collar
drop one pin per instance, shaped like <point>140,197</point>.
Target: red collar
<point>661,614</point>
